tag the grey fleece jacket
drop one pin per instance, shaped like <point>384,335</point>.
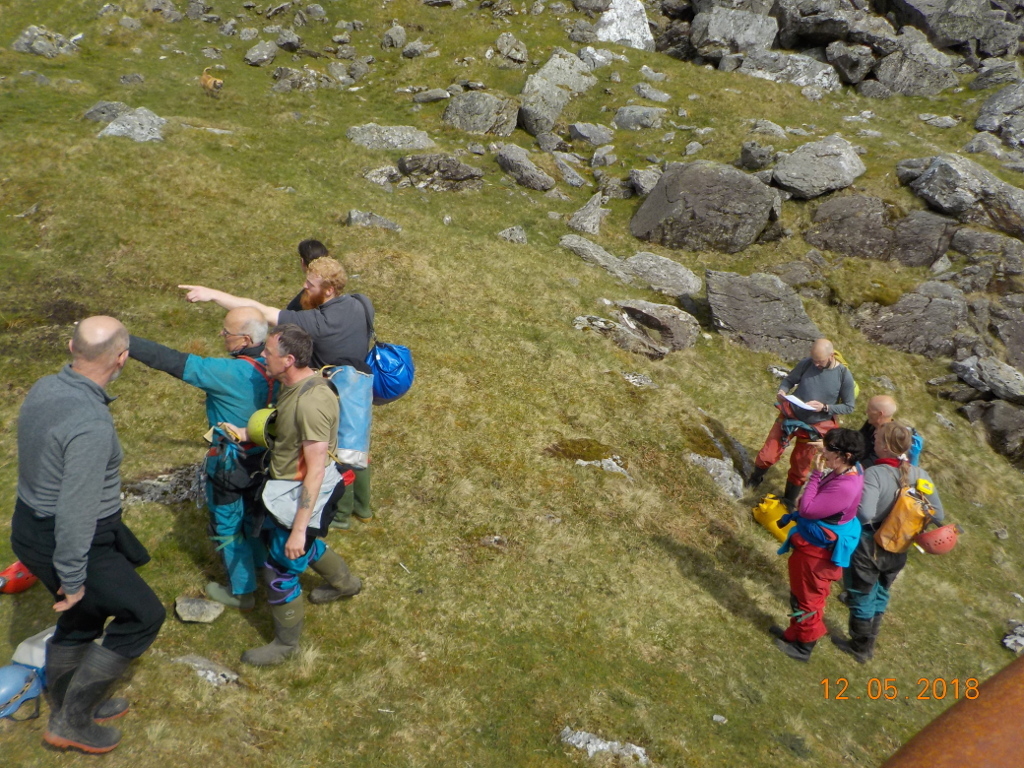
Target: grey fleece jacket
<point>832,386</point>
<point>69,461</point>
<point>881,483</point>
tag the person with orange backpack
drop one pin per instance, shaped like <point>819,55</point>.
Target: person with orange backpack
<point>235,387</point>
<point>876,563</point>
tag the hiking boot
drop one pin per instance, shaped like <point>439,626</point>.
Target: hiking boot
<point>776,631</point>
<point>795,650</point>
<point>72,726</point>
<point>222,595</point>
<point>861,644</point>
<point>61,663</point>
<point>287,631</point>
<point>756,477</point>
<point>340,581</point>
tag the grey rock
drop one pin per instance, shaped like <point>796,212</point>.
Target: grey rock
<point>365,219</point>
<point>569,174</point>
<point>649,74</point>
<point>431,95</point>
<point>551,142</point>
<point>722,473</point>
<point>633,118</point>
<point>516,161</point>
<point>914,74</point>
<point>704,205</point>
<point>316,11</point>
<point>514,234</point>
<point>289,41</point>
<point>1001,38</point>
<point>1004,425</point>
<point>1005,382</point>
<point>130,24</point>
<point>922,237</point>
<point>595,254</point>
<point>958,187</point>
<point>648,91</point>
<point>479,112</point>
<point>373,136</point>
<point>939,121</point>
<point>416,48</point>
<point>132,79</point>
<point>819,167</point>
<point>591,133</point>
<point>754,157</point>
<point>230,29</point>
<point>196,10</point>
<point>922,322</point>
<point>595,58</point>
<point>692,148</point>
<point>394,37</point>
<point>1001,108</point>
<point>548,91</point>
<point>721,31</point>
<point>588,218</point>
<point>612,186</point>
<point>512,50</point>
<point>852,62</point>
<point>441,173</point>
<point>761,312</point>
<point>138,125</point>
<point>179,485</point>
<point>591,6</point>
<point>339,72</point>
<point>197,610</point>
<point>872,89</point>
<point>853,225</point>
<point>644,180</point>
<point>210,671</point>
<point>603,156</point>
<point>996,72</point>
<point>794,68</point>
<point>909,170</point>
<point>768,128</point>
<point>625,22</point>
<point>581,31</point>
<point>42,42</point>
<point>212,53</point>
<point>261,54</point>
<point>676,329</point>
<point>663,275</point>
<point>947,22</point>
<point>384,176</point>
<point>105,111</point>
<point>1009,329</point>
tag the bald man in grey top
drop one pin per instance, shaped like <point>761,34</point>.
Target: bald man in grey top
<point>67,530</point>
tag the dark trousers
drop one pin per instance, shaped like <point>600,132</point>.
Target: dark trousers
<point>112,586</point>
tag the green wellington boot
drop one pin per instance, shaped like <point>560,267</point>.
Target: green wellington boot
<point>287,631</point>
<point>340,581</point>
<point>221,594</point>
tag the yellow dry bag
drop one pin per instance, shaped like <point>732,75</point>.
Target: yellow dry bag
<point>769,512</point>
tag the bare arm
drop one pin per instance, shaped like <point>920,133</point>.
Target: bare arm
<point>315,456</point>
<point>202,293</point>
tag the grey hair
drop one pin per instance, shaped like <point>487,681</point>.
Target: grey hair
<point>256,329</point>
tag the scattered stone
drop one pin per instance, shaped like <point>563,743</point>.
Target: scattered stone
<point>639,380</point>
<point>418,48</point>
<point>431,95</point>
<point>794,68</point>
<point>588,218</point>
<point>174,487</point>
<point>105,111</point>
<point>692,148</point>
<point>650,74</point>
<point>384,176</point>
<point>595,254</point>
<point>676,329</point>
<point>819,167</point>
<point>608,465</point>
<point>724,476</point>
<point>373,136</point>
<point>591,133</point>
<point>131,24</point>
<point>138,125</point>
<point>884,382</point>
<point>441,173</point>
<point>261,54</point>
<point>625,22</point>
<point>644,181</point>
<point>197,610</point>
<point>132,79</point>
<point>647,91</point>
<point>289,41</point>
<point>595,58</point>
<point>720,31</point>
<point>768,128</point>
<point>594,744</point>
<point>478,112</point>
<point>210,671</point>
<point>548,91</point>
<point>516,161</point>
<point>945,121</point>
<point>569,174</point>
<point>637,118</point>
<point>364,219</point>
<point>394,37</point>
<point>604,156</point>
<point>511,50</point>
<point>719,719</point>
<point>514,234</point>
<point>853,62</point>
<point>996,72</point>
<point>42,42</point>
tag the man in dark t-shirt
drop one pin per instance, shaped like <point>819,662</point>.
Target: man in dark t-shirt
<point>309,251</point>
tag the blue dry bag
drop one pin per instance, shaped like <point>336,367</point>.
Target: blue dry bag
<point>391,365</point>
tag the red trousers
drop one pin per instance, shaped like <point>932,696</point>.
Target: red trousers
<point>803,451</point>
<point>811,573</point>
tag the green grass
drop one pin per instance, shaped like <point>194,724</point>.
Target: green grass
<point>633,609</point>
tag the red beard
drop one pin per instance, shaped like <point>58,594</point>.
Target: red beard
<point>311,300</point>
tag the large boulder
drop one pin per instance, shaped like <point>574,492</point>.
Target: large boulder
<point>636,118</point>
<point>958,187</point>
<point>549,89</point>
<point>625,23</point>
<point>42,42</point>
<point>705,205</point>
<point>1009,329</point>
<point>1004,381</point>
<point>809,23</point>
<point>922,322</point>
<point>677,329</point>
<point>1001,113</point>
<point>479,112</point>
<point>922,238</point>
<point>853,62</point>
<point>794,68</point>
<point>853,225</point>
<point>516,161</point>
<point>946,22</point>
<point>138,125</point>
<point>762,312</point>
<point>819,167</point>
<point>663,275</point>
<point>721,31</point>
<point>917,68</point>
<point>1004,424</point>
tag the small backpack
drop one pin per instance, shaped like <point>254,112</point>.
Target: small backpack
<point>907,518</point>
<point>842,361</point>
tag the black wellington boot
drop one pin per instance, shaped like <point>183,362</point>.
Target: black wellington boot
<point>756,477</point>
<point>791,495</point>
<point>72,725</point>
<point>861,644</point>
<point>61,663</point>
<point>795,650</point>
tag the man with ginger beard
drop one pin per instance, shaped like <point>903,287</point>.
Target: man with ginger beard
<point>339,325</point>
<point>309,251</point>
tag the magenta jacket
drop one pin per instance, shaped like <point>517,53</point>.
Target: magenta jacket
<point>832,495</point>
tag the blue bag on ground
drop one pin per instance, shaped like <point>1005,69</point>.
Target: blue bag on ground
<point>391,364</point>
<point>355,402</point>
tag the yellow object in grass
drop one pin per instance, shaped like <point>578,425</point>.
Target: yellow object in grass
<point>769,512</point>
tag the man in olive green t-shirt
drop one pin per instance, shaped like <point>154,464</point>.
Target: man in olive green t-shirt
<point>301,495</point>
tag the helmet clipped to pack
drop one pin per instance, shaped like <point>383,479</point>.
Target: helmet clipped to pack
<point>16,578</point>
<point>18,685</point>
<point>939,541</point>
<point>261,428</point>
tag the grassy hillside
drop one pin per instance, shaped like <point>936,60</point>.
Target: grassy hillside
<point>633,609</point>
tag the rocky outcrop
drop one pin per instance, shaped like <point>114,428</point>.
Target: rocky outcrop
<point>516,161</point>
<point>549,90</point>
<point>922,322</point>
<point>441,173</point>
<point>479,112</point>
<point>720,31</point>
<point>794,68</point>
<point>853,225</point>
<point>705,205</point>
<point>761,312</point>
<point>625,22</point>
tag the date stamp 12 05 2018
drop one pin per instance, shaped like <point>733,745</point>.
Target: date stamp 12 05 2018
<point>888,688</point>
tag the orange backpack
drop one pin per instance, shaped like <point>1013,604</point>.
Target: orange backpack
<point>907,518</point>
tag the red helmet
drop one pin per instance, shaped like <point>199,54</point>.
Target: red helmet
<point>16,578</point>
<point>938,541</point>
